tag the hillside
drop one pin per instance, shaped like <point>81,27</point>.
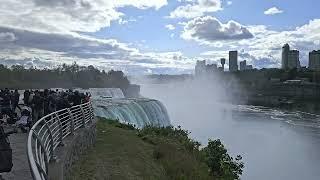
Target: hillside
<point>122,152</point>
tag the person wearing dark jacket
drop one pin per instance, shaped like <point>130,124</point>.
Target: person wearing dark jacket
<point>62,102</point>
<point>37,106</point>
<point>15,100</point>
<point>26,96</point>
<point>5,104</point>
<point>46,102</point>
<point>76,98</point>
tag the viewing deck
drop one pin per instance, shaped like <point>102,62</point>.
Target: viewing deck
<point>52,144</point>
<point>20,169</point>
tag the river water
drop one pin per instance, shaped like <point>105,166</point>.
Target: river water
<point>274,144</point>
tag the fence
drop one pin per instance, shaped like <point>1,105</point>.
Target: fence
<point>48,133</point>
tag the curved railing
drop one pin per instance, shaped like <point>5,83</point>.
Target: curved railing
<point>48,133</point>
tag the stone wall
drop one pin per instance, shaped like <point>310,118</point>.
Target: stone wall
<point>71,150</point>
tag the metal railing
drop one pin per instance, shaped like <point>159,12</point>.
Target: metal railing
<point>48,133</point>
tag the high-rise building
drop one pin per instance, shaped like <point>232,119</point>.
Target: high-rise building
<point>233,61</point>
<point>290,58</point>
<point>203,69</point>
<point>200,68</point>
<point>285,53</point>
<point>211,68</point>
<point>293,59</point>
<point>243,65</point>
<point>314,60</point>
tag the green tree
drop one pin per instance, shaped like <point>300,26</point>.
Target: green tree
<point>221,164</point>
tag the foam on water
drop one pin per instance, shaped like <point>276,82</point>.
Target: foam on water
<point>295,118</point>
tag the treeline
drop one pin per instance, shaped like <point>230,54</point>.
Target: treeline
<point>64,76</point>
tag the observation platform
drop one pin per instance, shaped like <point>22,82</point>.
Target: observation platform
<point>52,145</point>
<point>20,169</point>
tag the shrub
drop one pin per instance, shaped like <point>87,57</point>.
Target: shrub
<point>221,164</point>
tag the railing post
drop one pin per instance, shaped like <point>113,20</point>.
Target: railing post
<point>60,130</point>
<point>41,171</point>
<point>83,116</point>
<point>39,142</point>
<point>71,122</point>
<point>91,111</point>
<point>52,156</point>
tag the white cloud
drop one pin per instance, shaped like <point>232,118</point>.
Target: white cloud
<point>273,11</point>
<point>196,9</point>
<point>30,48</point>
<point>170,27</point>
<point>123,21</point>
<point>45,33</point>
<point>66,16</point>
<point>209,29</point>
<point>264,49</point>
<point>229,3</point>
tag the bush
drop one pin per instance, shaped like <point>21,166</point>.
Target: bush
<point>178,134</point>
<point>182,157</point>
<point>221,164</point>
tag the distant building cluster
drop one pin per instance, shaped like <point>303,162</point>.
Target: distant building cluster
<point>233,63</point>
<point>204,69</point>
<point>290,58</point>
<point>244,66</point>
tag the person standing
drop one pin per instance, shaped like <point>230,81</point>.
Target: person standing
<point>6,104</point>
<point>26,96</point>
<point>15,100</point>
<point>46,102</point>
<point>37,104</point>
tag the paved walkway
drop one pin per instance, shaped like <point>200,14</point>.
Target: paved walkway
<point>20,170</point>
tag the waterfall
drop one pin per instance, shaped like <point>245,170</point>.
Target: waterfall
<point>112,104</point>
<point>106,93</point>
<point>139,112</point>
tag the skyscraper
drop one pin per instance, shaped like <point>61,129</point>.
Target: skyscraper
<point>290,58</point>
<point>200,68</point>
<point>285,53</point>
<point>233,61</point>
<point>293,59</point>
<point>243,65</point>
<point>314,60</point>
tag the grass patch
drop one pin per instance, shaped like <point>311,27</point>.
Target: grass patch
<point>123,152</point>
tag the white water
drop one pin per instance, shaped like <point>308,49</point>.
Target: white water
<point>110,103</point>
<point>115,93</point>
<point>275,144</point>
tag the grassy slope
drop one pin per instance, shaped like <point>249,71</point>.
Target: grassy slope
<point>120,154</point>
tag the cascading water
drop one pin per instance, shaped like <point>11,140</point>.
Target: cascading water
<point>106,93</point>
<point>110,103</point>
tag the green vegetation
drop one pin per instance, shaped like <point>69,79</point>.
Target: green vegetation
<point>123,152</point>
<point>65,76</point>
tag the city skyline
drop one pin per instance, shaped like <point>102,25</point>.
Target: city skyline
<point>159,36</point>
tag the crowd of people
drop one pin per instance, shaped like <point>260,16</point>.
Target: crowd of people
<point>40,102</point>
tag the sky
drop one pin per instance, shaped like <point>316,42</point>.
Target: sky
<point>155,36</point>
